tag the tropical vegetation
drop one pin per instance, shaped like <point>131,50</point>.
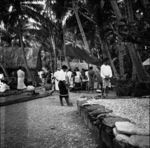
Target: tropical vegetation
<point>117,29</point>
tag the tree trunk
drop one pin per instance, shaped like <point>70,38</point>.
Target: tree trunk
<point>116,9</point>
<point>54,51</point>
<point>106,53</point>
<point>121,59</point>
<point>64,49</point>
<point>60,59</point>
<point>141,74</point>
<point>111,62</point>
<point>136,61</point>
<point>50,64</point>
<point>130,11</point>
<point>24,58</point>
<point>81,29</point>
<point>5,72</point>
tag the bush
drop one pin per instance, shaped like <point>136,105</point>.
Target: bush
<point>124,88</point>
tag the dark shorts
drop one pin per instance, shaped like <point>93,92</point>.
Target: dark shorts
<point>62,89</point>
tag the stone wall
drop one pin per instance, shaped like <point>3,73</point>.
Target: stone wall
<point>109,130</point>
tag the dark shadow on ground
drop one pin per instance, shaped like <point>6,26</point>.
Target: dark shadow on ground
<point>14,129</point>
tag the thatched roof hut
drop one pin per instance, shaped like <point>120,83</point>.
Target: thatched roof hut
<point>12,57</point>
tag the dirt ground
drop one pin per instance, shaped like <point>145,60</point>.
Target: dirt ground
<point>43,123</point>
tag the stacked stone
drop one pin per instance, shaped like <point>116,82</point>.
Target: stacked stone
<point>127,133</point>
<point>111,131</point>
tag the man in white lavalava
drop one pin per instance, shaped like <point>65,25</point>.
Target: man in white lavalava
<point>106,74</point>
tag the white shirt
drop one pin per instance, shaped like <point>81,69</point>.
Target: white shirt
<point>86,73</point>
<point>69,74</point>
<point>78,77</point>
<point>106,71</point>
<point>62,75</point>
<point>1,76</point>
<point>56,74</point>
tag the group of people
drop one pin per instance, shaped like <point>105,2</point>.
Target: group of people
<point>20,85</point>
<point>66,79</point>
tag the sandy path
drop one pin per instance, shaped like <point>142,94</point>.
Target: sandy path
<point>43,123</point>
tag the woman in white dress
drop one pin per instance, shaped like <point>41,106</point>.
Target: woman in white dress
<point>21,76</point>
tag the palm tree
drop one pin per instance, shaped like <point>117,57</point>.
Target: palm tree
<point>61,10</point>
<point>15,14</point>
<point>115,19</point>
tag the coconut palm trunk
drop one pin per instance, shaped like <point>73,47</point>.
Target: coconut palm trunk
<point>105,52</point>
<point>140,71</point>
<point>24,57</point>
<point>81,28</point>
<point>54,51</point>
<point>64,48</point>
<point>121,59</point>
<point>137,65</point>
<point>110,59</point>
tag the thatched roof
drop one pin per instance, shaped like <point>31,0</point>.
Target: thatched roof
<point>12,57</point>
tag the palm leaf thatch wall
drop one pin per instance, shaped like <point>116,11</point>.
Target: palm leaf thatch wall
<point>12,57</point>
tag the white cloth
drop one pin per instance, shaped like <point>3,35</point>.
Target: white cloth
<point>21,76</point>
<point>3,86</point>
<point>86,73</point>
<point>78,77</point>
<point>69,74</point>
<point>56,76</point>
<point>40,73</point>
<point>1,76</point>
<point>70,78</point>
<point>62,75</point>
<point>30,87</point>
<point>106,71</point>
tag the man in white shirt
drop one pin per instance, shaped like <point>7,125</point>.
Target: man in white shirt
<point>56,77</point>
<point>63,82</point>
<point>106,74</point>
<point>77,79</point>
<point>70,78</point>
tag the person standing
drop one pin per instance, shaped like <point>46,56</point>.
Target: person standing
<point>99,79</point>
<point>63,86</point>
<point>91,74</point>
<point>56,77</point>
<point>70,78</point>
<point>77,79</point>
<point>84,79</point>
<point>21,77</point>
<point>106,74</point>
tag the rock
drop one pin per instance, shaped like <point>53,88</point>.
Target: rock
<point>101,116</point>
<point>52,127</point>
<point>92,107</point>
<point>115,132</point>
<point>125,128</point>
<point>129,128</point>
<point>81,101</point>
<point>141,131</point>
<point>122,138</point>
<point>111,120</point>
<point>100,110</point>
<point>140,141</point>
